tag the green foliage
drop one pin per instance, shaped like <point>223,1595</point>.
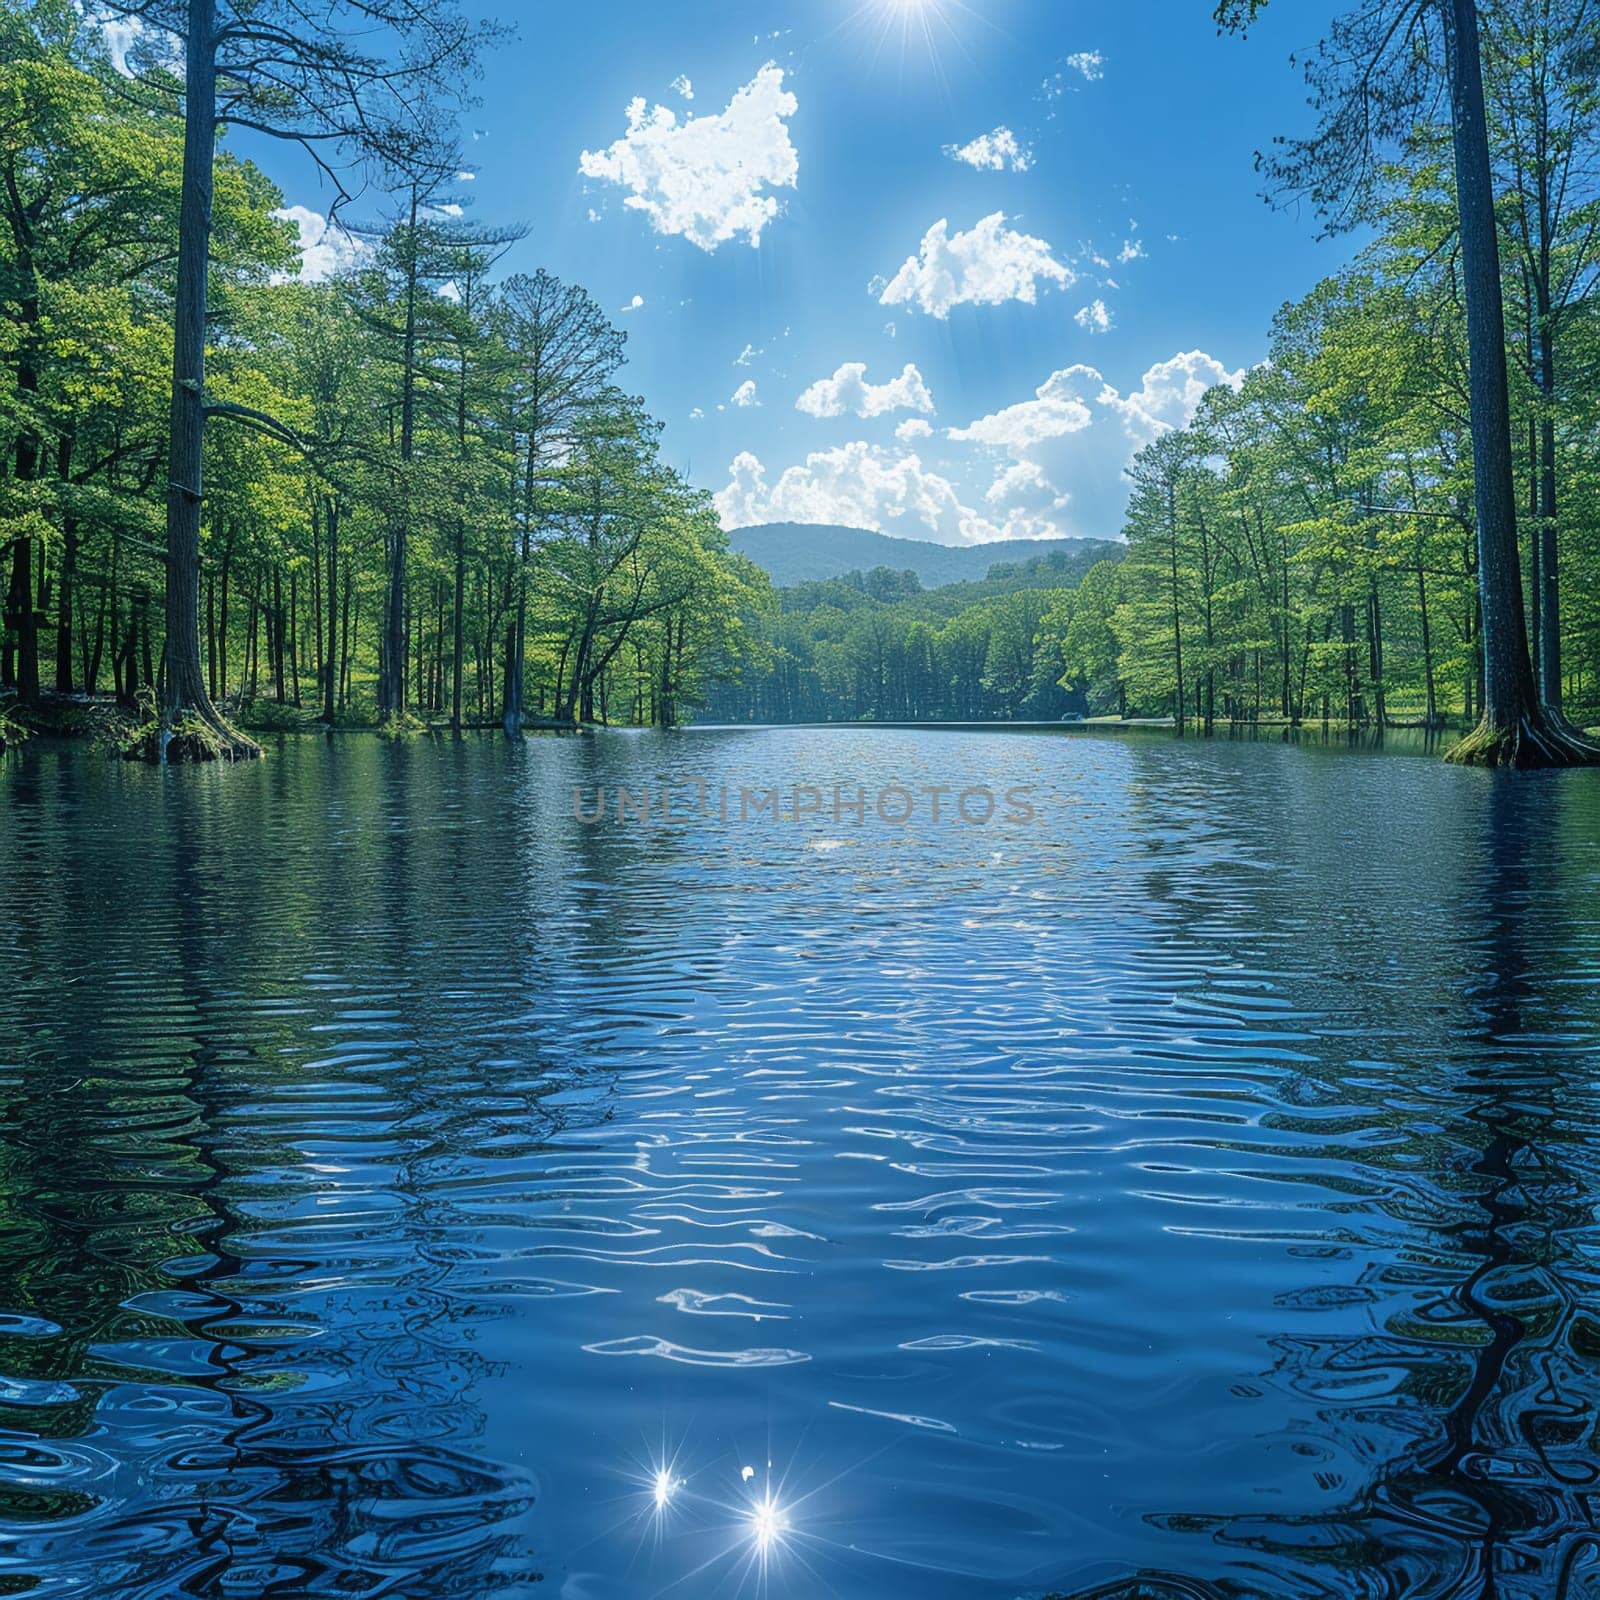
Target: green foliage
<point>404,443</point>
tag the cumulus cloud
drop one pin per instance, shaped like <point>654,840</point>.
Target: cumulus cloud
<point>1089,64</point>
<point>1068,446</point>
<point>633,305</point>
<point>1169,394</point>
<point>325,248</point>
<point>857,485</point>
<point>1059,406</point>
<point>848,390</point>
<point>1048,466</point>
<point>986,266</point>
<point>745,395</point>
<point>747,355</point>
<point>681,86</point>
<point>704,178</point>
<point>1132,250</point>
<point>993,152</point>
<point>1024,482</point>
<point>134,46</point>
<point>1094,317</point>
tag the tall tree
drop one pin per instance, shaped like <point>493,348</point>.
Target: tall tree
<point>1543,76</point>
<point>564,354</point>
<point>292,70</point>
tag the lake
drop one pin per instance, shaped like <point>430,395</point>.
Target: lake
<point>410,1190</point>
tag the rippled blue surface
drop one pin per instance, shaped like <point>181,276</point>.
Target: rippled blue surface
<point>395,1175</point>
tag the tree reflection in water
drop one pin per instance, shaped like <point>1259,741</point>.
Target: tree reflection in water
<point>1483,1385</point>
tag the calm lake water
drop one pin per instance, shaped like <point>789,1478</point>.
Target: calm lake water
<point>404,1187</point>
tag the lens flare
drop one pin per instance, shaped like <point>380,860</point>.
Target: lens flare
<point>767,1523</point>
<point>664,1487</point>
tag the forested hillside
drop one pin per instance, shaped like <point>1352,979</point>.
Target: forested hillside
<point>793,553</point>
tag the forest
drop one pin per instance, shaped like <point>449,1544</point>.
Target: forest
<point>428,494</point>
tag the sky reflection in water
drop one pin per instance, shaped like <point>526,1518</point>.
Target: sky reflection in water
<point>400,1178</point>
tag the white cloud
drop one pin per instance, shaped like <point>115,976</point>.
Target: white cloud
<point>747,355</point>
<point>1090,63</point>
<point>121,34</point>
<point>324,249</point>
<point>993,152</point>
<point>1169,394</point>
<point>987,266</point>
<point>848,390</point>
<point>450,291</point>
<point>466,177</point>
<point>1027,504</point>
<point>704,178</point>
<point>745,394</point>
<point>913,428</point>
<point>1094,317</point>
<point>1058,407</point>
<point>1024,482</point>
<point>856,485</point>
<point>633,305</point>
<point>682,86</point>
<point>1132,250</point>
<point>696,414</point>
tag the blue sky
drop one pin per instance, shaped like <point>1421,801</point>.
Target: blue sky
<point>1104,255</point>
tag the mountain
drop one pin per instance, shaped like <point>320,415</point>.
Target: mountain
<point>795,552</point>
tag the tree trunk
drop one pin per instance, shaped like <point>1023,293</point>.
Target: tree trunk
<point>457,640</point>
<point>294,635</point>
<point>1514,730</point>
<point>1177,624</point>
<point>333,679</point>
<point>393,654</point>
<point>1549,658</point>
<point>23,619</point>
<point>185,689</point>
<point>511,716</point>
<point>67,578</point>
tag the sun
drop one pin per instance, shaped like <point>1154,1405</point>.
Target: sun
<point>916,28</point>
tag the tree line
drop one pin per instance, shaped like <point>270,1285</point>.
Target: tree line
<point>878,647</point>
<point>413,490</point>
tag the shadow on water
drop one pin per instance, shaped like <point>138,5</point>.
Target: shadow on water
<point>1474,1405</point>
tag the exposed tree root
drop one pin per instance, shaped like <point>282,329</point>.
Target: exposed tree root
<point>1545,740</point>
<point>188,733</point>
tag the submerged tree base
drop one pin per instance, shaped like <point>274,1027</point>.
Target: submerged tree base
<point>191,734</point>
<point>1545,740</point>
<point>401,725</point>
<point>189,739</point>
